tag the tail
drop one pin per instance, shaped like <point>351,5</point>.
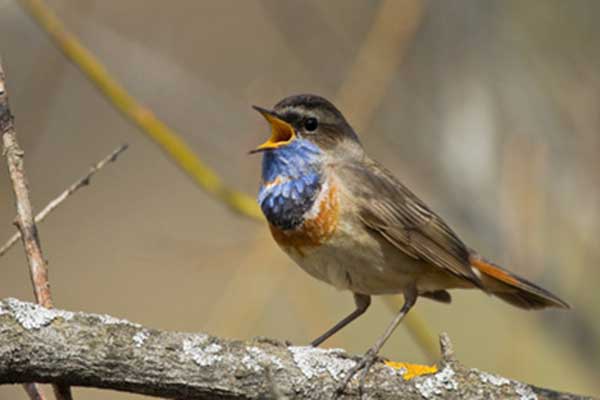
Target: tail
<point>512,288</point>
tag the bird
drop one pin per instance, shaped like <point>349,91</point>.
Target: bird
<point>349,222</point>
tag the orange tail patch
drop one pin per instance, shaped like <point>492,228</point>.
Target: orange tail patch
<point>514,289</point>
<point>494,271</point>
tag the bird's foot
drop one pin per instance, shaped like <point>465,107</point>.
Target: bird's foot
<point>365,363</point>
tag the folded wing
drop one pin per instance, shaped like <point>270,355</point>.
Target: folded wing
<point>387,207</point>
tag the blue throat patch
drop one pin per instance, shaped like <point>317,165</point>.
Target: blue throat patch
<point>298,168</point>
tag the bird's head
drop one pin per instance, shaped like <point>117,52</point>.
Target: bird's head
<point>308,120</point>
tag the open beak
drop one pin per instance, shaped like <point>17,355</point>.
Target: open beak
<point>282,133</point>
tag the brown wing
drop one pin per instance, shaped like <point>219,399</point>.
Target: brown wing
<point>389,208</point>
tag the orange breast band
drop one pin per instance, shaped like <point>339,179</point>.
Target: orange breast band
<point>315,231</point>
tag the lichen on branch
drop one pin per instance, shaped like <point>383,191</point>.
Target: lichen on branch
<point>81,349</point>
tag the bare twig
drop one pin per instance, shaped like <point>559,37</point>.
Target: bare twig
<point>14,159</point>
<point>446,346</point>
<point>81,182</point>
<point>38,269</point>
<point>82,349</point>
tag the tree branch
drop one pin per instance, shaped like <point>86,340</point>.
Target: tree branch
<point>38,269</point>
<point>80,349</point>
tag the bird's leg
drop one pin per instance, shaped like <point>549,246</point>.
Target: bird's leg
<point>365,363</point>
<point>362,302</point>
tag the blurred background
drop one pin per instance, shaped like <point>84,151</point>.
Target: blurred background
<point>489,110</point>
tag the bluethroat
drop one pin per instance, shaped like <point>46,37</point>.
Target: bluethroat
<point>347,221</point>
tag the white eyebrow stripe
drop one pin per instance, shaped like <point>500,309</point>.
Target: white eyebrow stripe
<point>298,110</point>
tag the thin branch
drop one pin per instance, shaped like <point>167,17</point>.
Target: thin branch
<point>81,349</point>
<point>24,221</point>
<point>38,269</point>
<point>81,182</point>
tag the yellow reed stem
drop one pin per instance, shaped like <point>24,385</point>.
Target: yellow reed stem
<point>167,139</point>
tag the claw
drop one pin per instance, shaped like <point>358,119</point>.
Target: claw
<point>365,363</point>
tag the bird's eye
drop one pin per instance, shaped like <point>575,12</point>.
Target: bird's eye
<point>311,124</point>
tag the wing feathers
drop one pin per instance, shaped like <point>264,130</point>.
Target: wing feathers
<point>389,208</point>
